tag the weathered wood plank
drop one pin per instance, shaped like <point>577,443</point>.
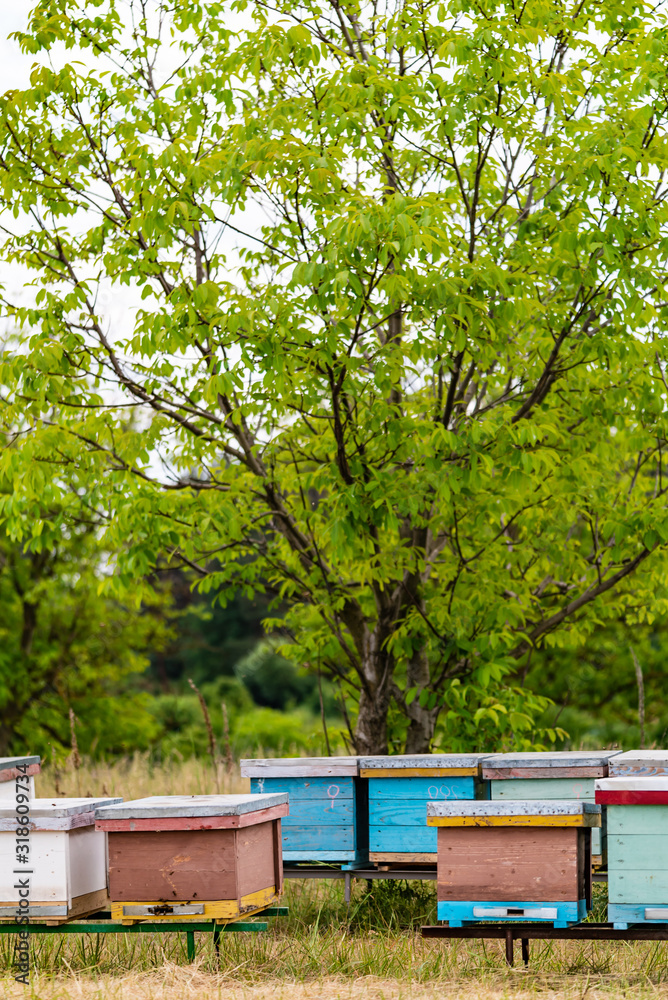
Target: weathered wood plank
<point>543,789</point>
<point>507,863</point>
<point>309,789</point>
<point>318,838</point>
<point>163,806</point>
<point>643,763</point>
<point>173,865</point>
<point>547,773</point>
<point>256,860</point>
<point>400,839</point>
<point>550,759</point>
<point>421,789</point>
<point>418,765</point>
<point>516,813</point>
<point>300,767</point>
<point>192,822</point>
<point>403,858</point>
<point>638,886</point>
<point>625,820</point>
<point>640,852</point>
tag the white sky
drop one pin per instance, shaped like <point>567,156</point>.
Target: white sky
<point>14,66</point>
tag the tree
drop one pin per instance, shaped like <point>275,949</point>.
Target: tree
<point>68,648</point>
<point>396,345</point>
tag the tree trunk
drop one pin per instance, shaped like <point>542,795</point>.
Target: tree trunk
<point>377,669</point>
<point>422,720</point>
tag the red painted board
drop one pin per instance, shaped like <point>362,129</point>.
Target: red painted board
<point>158,824</point>
<point>632,797</point>
<point>13,772</point>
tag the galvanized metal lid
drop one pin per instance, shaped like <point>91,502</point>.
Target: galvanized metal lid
<point>166,806</point>
<point>533,812</point>
<point>53,814</point>
<point>550,758</point>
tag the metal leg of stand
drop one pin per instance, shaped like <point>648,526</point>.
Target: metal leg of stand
<point>347,888</point>
<point>190,945</point>
<point>510,946</point>
<point>216,939</point>
<point>525,951</point>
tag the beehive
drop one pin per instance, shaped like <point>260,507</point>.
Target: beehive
<point>67,860</point>
<point>194,857</point>
<point>639,764</point>
<point>328,818</point>
<point>400,788</point>
<point>556,775</point>
<point>637,810</point>
<point>17,773</point>
<point>513,860</point>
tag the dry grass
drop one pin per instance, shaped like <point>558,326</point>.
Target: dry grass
<point>372,952</point>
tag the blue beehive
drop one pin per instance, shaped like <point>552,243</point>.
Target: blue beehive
<point>400,788</point>
<point>328,818</point>
<point>637,810</point>
<point>513,860</point>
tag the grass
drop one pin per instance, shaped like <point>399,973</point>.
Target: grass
<point>371,951</point>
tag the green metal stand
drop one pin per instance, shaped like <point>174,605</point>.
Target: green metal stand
<point>102,924</point>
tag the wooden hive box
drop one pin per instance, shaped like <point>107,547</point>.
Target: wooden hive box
<point>17,773</point>
<point>67,867</point>
<point>639,764</point>
<point>637,810</point>
<point>328,818</point>
<point>555,775</point>
<point>514,860</point>
<point>194,857</point>
<point>400,788</point>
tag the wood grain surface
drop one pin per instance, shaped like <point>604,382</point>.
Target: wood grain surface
<point>506,863</point>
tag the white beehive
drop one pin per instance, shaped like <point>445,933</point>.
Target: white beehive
<point>67,860</point>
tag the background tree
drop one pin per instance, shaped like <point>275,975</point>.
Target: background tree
<point>398,346</point>
<point>65,647</point>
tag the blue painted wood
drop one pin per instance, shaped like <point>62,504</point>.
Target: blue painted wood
<point>398,811</point>
<point>307,789</point>
<point>319,838</point>
<point>460,912</point>
<point>327,820</point>
<point>623,914</point>
<point>403,839</point>
<point>422,789</point>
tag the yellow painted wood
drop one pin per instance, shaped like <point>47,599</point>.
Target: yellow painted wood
<point>417,772</point>
<point>223,911</point>
<point>586,820</point>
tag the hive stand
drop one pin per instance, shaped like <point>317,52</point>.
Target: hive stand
<point>194,857</point>
<point>637,848</point>
<point>559,775</point>
<point>104,925</point>
<point>67,860</point>
<point>328,821</point>
<point>400,788</point>
<point>13,768</point>
<point>513,860</point>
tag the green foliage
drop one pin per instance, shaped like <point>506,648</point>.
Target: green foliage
<point>594,686</point>
<point>64,646</point>
<point>396,350</point>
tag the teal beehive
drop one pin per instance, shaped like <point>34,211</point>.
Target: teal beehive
<point>637,809</point>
